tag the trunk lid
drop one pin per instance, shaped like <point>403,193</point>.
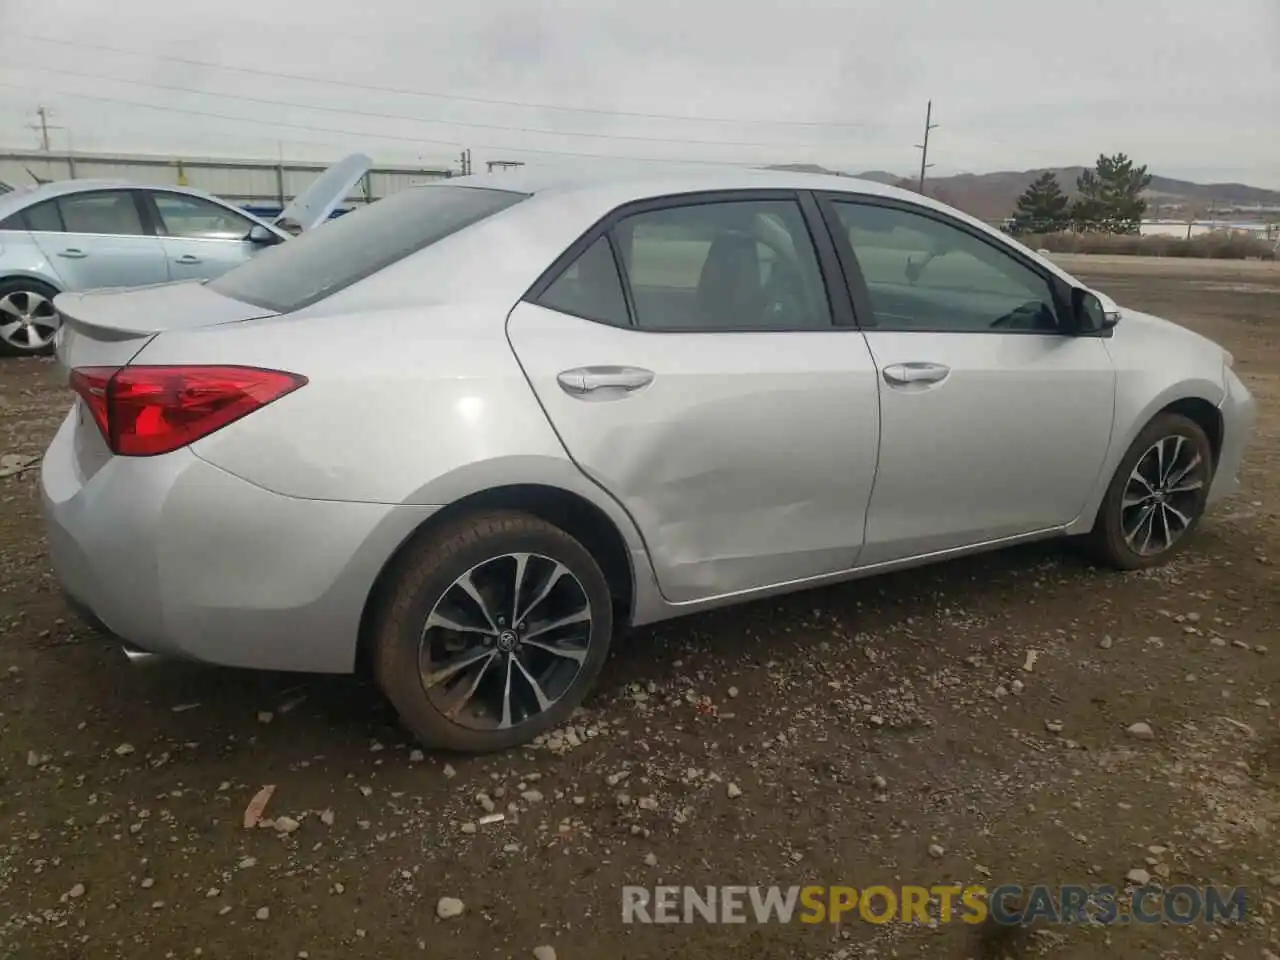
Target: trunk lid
<point>109,327</point>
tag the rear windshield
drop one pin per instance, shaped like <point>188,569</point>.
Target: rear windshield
<point>334,255</point>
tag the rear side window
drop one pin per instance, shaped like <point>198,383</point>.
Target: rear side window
<point>43,217</point>
<point>320,262</point>
<point>590,288</point>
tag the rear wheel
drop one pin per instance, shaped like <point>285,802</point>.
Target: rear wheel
<point>492,632</point>
<point>28,321</point>
<point>1157,496</point>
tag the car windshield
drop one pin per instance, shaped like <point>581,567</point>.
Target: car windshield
<point>320,262</point>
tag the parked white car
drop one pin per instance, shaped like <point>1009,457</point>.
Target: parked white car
<point>75,235</point>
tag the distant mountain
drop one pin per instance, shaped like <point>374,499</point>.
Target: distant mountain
<point>992,196</point>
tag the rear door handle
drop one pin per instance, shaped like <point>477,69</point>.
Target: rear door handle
<point>187,258</point>
<point>900,374</point>
<point>604,383</point>
<point>72,253</point>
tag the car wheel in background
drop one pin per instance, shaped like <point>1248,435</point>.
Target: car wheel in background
<point>1157,496</point>
<point>492,632</point>
<point>28,321</point>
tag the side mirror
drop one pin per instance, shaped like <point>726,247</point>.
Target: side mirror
<point>1090,316</point>
<point>260,234</point>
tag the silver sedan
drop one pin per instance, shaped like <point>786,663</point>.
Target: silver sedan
<point>467,434</point>
<point>76,235</point>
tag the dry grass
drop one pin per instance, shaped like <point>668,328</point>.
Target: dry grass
<point>1209,246</point>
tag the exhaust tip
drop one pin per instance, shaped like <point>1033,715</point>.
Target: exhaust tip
<point>140,657</point>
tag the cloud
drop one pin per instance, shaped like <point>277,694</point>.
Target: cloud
<point>1187,87</point>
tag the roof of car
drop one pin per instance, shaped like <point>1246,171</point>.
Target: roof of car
<point>657,179</point>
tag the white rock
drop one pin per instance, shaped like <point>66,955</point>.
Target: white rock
<point>1141,731</point>
<point>650,859</point>
<point>449,907</point>
<point>287,824</point>
<point>124,749</point>
<point>734,791</point>
<point>544,953</point>
<point>1139,876</point>
<point>416,756</point>
<point>532,796</point>
<point>327,818</point>
<point>733,691</point>
<point>936,850</point>
<point>879,782</point>
<point>265,716</point>
<point>262,914</point>
<point>76,892</point>
<point>469,827</point>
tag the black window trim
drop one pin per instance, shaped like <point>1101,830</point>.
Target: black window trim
<point>839,306</point>
<point>1059,289</point>
<point>162,230</point>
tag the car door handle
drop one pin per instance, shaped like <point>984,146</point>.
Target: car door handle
<point>187,258</point>
<point>72,253</point>
<point>900,374</point>
<point>604,382</point>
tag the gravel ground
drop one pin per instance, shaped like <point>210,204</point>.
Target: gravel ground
<point>965,723</point>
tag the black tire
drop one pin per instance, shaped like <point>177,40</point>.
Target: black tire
<point>1107,540</point>
<point>20,287</point>
<point>421,580</point>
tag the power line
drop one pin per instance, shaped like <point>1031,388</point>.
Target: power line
<point>376,136</point>
<point>399,116</point>
<point>448,96</point>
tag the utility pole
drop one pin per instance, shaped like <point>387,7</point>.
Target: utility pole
<point>43,126</point>
<point>924,147</point>
<point>466,162</point>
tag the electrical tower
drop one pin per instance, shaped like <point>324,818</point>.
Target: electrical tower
<point>924,147</point>
<point>43,126</point>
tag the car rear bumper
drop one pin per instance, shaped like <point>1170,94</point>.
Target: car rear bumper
<point>1239,414</point>
<point>178,557</point>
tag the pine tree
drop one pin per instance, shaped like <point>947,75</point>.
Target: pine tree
<point>1111,196</point>
<point>1042,208</point>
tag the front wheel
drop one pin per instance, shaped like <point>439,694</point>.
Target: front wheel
<point>492,632</point>
<point>28,321</point>
<point>1157,496</point>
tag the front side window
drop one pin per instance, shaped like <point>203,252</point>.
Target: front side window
<point>924,274</point>
<point>110,212</point>
<point>195,218</point>
<point>734,265</point>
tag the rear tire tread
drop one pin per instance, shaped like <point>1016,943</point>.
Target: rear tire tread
<point>395,659</point>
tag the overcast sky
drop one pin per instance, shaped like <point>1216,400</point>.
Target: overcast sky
<point>1190,87</point>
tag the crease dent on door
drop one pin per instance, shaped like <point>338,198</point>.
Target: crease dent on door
<point>739,474</point>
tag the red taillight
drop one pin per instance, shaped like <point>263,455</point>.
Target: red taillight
<point>143,411</point>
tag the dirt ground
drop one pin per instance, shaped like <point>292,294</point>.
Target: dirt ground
<point>883,732</point>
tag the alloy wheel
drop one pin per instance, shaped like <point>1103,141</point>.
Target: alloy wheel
<point>505,641</point>
<point>28,320</point>
<point>1161,497</point>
